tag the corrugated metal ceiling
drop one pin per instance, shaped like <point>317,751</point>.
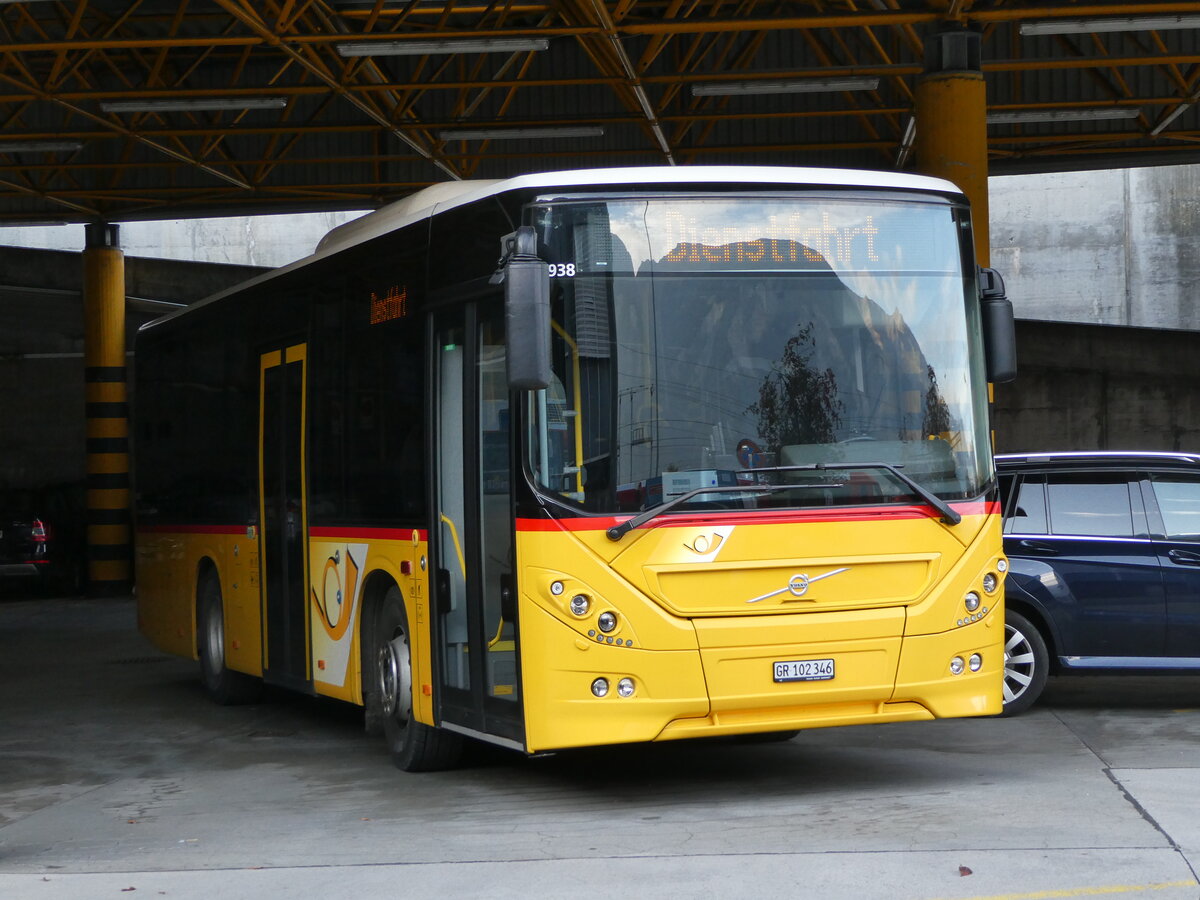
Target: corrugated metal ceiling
<point>356,131</point>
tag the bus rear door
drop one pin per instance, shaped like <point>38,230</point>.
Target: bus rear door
<point>283,514</point>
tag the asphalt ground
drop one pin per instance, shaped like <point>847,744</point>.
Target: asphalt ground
<point>118,778</point>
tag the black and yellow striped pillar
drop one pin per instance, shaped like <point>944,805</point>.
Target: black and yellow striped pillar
<point>109,549</point>
<point>951,111</point>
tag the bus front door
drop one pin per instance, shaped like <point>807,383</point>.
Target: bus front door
<point>476,635</point>
<point>283,514</point>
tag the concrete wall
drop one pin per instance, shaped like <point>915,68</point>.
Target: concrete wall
<point>1107,248</point>
<point>244,241</point>
<point>41,351</point>
<point>1096,387</point>
<point>1099,249</point>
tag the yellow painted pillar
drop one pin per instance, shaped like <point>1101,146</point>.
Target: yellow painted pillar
<point>109,536</point>
<point>951,135</point>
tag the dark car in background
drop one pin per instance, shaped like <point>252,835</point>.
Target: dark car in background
<point>1104,566</point>
<point>42,539</point>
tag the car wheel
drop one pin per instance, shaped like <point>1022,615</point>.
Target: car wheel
<point>222,684</point>
<point>415,746</point>
<point>1026,664</point>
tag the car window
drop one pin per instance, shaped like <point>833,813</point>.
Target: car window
<point>1178,499</point>
<point>1090,504</point>
<point>1028,514</point>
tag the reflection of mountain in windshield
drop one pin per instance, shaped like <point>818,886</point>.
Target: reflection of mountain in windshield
<point>686,360</point>
<point>814,362</point>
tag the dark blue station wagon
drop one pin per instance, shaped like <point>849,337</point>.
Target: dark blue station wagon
<point>1104,552</point>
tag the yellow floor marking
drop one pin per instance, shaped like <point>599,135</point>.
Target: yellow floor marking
<point>1091,892</point>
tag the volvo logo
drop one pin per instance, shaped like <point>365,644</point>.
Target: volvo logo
<point>798,584</point>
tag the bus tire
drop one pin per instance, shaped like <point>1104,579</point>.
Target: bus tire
<point>221,683</point>
<point>1026,663</point>
<point>415,746</point>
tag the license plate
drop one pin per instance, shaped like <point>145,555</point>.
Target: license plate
<point>804,670</point>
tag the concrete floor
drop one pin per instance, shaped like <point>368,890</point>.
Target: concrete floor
<point>119,778</point>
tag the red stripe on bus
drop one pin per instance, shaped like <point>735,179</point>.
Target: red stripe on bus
<point>376,534</point>
<point>763,517</point>
<point>192,529</point>
<point>367,534</point>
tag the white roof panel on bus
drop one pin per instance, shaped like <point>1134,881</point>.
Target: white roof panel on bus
<point>439,198</point>
<point>442,197</point>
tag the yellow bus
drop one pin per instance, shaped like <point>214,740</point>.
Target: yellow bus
<point>591,457</point>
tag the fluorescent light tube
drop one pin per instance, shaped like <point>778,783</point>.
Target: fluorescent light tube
<point>1063,115</point>
<point>1117,23</point>
<point>791,86</point>
<point>193,104</point>
<point>39,146</point>
<point>504,134</point>
<point>436,48</point>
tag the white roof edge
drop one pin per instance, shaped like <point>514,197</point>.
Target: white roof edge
<point>438,198</point>
<point>441,197</point>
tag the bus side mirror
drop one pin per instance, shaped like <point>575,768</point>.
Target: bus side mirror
<point>999,332</point>
<point>526,281</point>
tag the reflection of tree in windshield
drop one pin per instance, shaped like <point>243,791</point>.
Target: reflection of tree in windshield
<point>797,403</point>
<point>937,412</point>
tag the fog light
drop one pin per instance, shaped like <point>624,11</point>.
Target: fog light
<point>956,668</point>
<point>990,582</point>
<point>607,622</point>
<point>580,604</point>
<point>625,687</point>
<point>972,601</point>
<point>556,588</point>
<point>600,686</point>
<point>975,662</point>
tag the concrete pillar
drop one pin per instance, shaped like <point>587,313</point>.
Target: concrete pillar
<point>951,111</point>
<point>108,487</point>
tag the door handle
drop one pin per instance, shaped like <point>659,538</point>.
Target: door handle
<point>1038,547</point>
<point>442,587</point>
<point>508,598</point>
<point>1184,557</point>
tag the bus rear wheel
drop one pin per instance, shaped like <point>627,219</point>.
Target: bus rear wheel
<point>415,746</point>
<point>222,684</point>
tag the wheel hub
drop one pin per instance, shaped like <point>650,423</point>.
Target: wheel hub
<point>395,687</point>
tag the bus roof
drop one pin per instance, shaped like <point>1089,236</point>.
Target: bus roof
<point>448,195</point>
<point>445,196</point>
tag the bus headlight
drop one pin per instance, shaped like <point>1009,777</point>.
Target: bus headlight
<point>975,663</point>
<point>607,622</point>
<point>971,601</point>
<point>580,605</point>
<point>990,583</point>
<point>600,687</point>
<point>956,666</point>
<point>625,687</point>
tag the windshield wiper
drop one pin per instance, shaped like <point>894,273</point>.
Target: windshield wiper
<point>949,515</point>
<point>619,531</point>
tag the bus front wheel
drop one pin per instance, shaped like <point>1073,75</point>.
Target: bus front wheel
<point>415,746</point>
<point>222,684</point>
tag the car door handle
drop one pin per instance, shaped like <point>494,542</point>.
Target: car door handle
<point>1037,547</point>
<point>1184,557</point>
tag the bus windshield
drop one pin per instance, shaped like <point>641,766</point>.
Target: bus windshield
<point>748,340</point>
